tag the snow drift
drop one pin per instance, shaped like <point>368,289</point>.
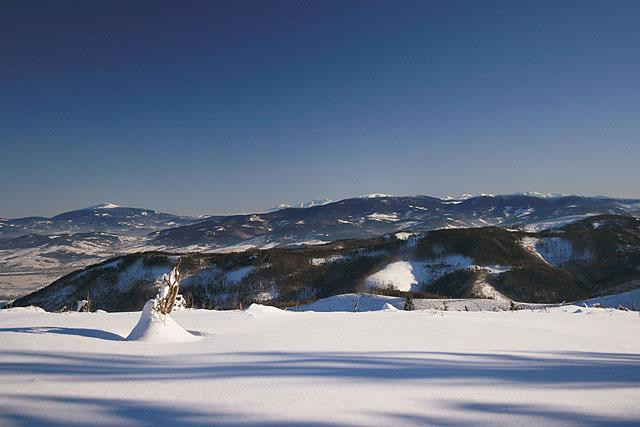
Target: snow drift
<point>154,327</point>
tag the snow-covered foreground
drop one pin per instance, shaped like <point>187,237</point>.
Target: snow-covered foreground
<point>567,366</point>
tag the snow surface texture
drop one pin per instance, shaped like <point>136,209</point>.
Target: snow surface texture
<point>157,328</point>
<point>567,366</point>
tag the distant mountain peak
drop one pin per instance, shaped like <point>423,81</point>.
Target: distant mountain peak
<point>461,197</point>
<point>105,205</point>
<point>375,196</point>
<point>279,207</point>
<point>307,204</point>
<point>315,202</point>
<point>540,195</point>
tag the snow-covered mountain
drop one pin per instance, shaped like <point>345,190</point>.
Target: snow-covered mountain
<point>592,257</point>
<point>307,204</point>
<point>377,214</point>
<point>105,217</point>
<point>36,250</point>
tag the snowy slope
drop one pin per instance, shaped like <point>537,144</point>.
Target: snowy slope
<point>558,251</point>
<point>400,275</point>
<point>629,300</point>
<point>413,275</point>
<point>567,366</point>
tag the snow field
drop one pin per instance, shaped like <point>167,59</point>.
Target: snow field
<point>263,366</point>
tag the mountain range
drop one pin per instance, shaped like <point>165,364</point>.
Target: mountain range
<point>595,256</point>
<point>36,250</point>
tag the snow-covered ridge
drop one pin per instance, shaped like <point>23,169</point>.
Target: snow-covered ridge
<point>375,196</point>
<point>105,206</point>
<point>304,205</point>
<point>537,194</point>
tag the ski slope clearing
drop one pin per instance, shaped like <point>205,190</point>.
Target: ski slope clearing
<point>263,366</point>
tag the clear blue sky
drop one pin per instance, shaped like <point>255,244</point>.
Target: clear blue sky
<point>201,107</point>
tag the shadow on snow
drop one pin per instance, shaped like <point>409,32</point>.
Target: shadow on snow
<point>565,369</point>
<point>83,332</point>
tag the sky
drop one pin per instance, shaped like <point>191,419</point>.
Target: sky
<point>201,107</point>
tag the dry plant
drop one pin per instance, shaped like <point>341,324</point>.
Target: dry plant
<point>169,286</point>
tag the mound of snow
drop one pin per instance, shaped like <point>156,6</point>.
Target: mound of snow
<point>156,328</point>
<point>389,307</point>
<point>258,310</point>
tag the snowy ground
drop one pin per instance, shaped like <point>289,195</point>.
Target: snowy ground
<point>565,366</point>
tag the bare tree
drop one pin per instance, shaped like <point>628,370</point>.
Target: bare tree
<point>169,286</point>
